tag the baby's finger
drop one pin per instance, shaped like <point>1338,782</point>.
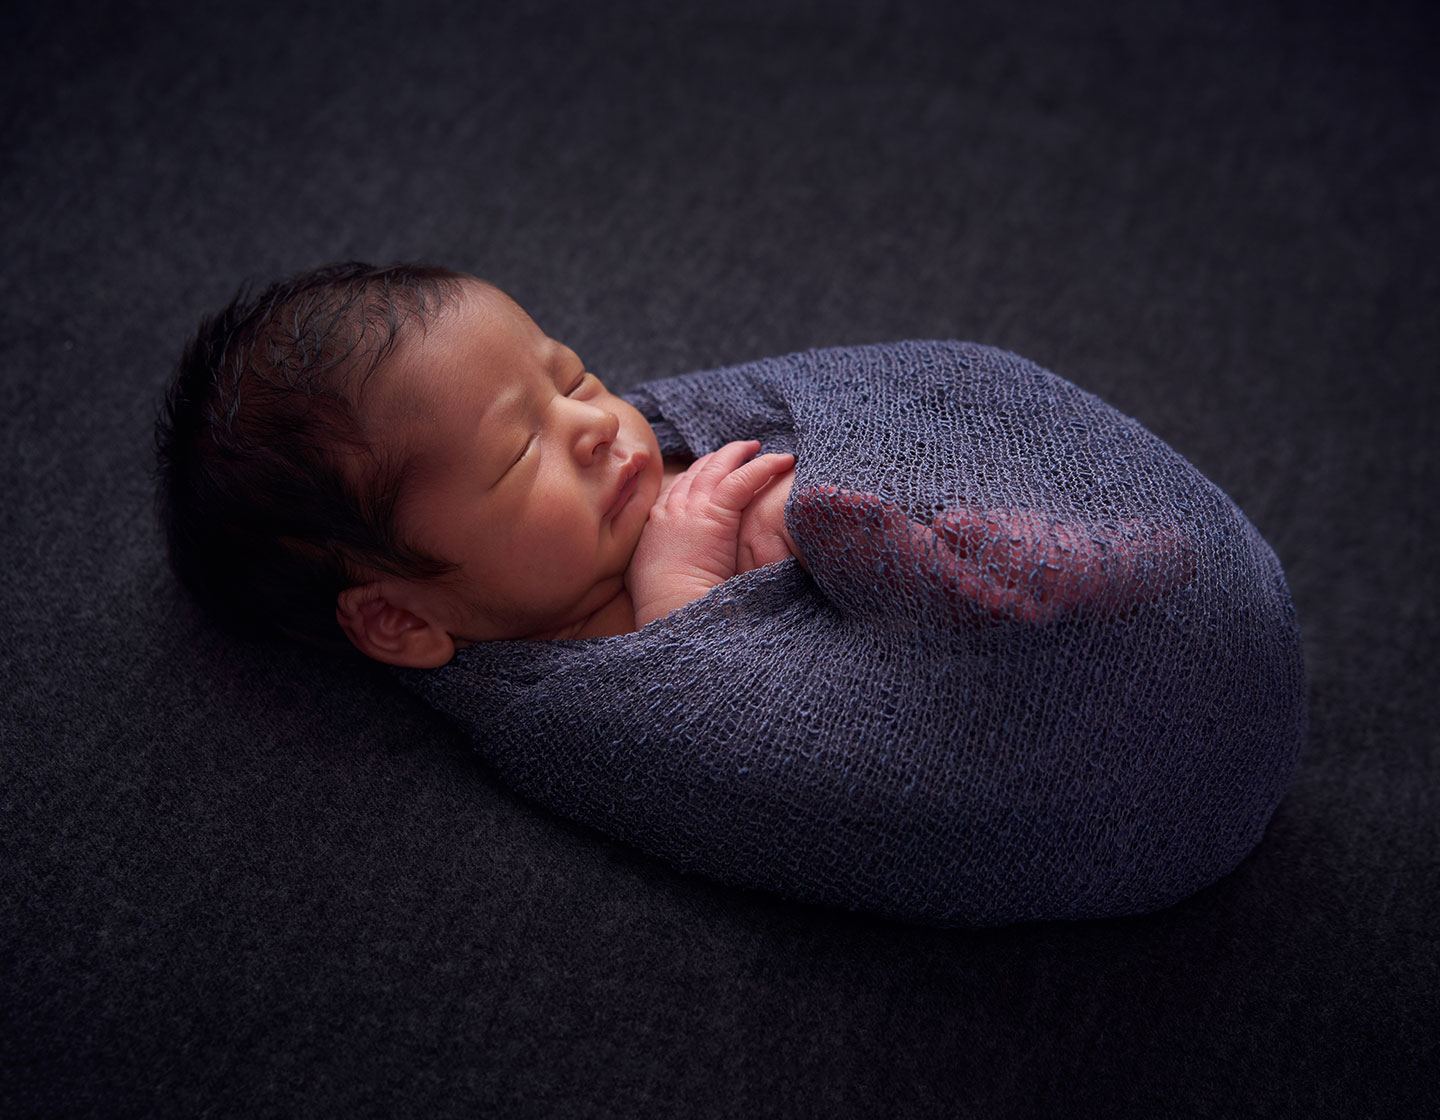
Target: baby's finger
<point>742,484</point>
<point>708,470</point>
<point>725,459</point>
<point>678,493</point>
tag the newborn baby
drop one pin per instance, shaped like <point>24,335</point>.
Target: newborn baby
<point>542,496</point>
<point>918,627</point>
<point>547,491</point>
<point>402,457</point>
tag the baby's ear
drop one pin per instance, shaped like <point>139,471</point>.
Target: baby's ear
<point>384,631</point>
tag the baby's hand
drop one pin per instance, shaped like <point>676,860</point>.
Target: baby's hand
<point>689,544</point>
<point>763,537</point>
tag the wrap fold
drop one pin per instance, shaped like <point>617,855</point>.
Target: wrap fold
<point>1041,667</point>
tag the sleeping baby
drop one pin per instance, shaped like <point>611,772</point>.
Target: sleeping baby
<point>409,446</point>
<point>537,483</point>
<point>539,498</point>
<point>918,628</point>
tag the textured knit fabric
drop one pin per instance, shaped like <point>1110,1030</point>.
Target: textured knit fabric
<point>1040,666</point>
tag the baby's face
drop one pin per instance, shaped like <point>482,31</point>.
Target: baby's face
<point>528,472</point>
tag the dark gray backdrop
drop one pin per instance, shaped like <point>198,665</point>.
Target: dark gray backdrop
<point>240,880</point>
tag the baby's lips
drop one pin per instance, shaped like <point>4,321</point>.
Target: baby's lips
<point>626,482</point>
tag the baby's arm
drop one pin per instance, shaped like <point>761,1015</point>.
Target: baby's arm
<point>1014,564</point>
<point>691,542</point>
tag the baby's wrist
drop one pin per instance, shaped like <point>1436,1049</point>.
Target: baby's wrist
<point>670,597</point>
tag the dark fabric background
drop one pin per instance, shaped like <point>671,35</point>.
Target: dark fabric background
<point>249,881</point>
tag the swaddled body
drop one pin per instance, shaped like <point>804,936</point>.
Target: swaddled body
<point>1039,666</point>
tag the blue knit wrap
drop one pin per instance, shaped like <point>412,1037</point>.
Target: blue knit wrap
<point>1041,667</point>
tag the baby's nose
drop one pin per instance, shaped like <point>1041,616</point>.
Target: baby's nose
<point>596,431</point>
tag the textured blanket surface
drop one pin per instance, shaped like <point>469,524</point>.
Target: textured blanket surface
<point>1040,667</point>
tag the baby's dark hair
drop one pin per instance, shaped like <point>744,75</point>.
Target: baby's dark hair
<point>270,495</point>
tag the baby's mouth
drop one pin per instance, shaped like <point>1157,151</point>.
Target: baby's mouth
<point>629,481</point>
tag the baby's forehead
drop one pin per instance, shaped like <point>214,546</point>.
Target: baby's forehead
<point>489,319</point>
<point>476,298</point>
<point>473,349</point>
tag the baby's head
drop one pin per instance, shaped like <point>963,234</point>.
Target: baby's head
<point>401,461</point>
